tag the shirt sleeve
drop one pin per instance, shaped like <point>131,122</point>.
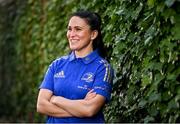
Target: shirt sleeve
<point>103,81</point>
<point>48,81</point>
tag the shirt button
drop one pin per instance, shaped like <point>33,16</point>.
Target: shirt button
<point>87,59</point>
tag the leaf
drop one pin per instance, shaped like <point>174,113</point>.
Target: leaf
<point>169,3</point>
<point>142,103</point>
<point>147,40</point>
<point>158,78</point>
<point>152,110</point>
<point>120,12</point>
<point>171,77</point>
<point>151,3</point>
<point>146,80</point>
<point>155,66</point>
<point>166,96</point>
<point>178,90</point>
<point>148,119</point>
<point>154,97</point>
<point>173,105</point>
<point>176,28</point>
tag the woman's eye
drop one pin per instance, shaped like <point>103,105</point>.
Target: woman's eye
<point>78,29</point>
<point>74,29</point>
<point>69,29</point>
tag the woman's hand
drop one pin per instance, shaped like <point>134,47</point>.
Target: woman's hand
<point>90,95</point>
<point>53,99</point>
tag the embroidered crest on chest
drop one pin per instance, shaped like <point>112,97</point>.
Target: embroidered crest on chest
<point>88,77</point>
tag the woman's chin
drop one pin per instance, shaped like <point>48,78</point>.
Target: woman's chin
<point>73,48</point>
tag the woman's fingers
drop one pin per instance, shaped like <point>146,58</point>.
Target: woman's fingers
<point>90,95</point>
<point>90,91</point>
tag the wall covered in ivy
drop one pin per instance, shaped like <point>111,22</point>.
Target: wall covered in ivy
<point>143,41</point>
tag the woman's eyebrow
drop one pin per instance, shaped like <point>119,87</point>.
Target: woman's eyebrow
<point>77,26</point>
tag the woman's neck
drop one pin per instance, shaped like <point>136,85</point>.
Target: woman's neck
<point>83,53</point>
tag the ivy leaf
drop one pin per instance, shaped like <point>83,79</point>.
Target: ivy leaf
<point>166,96</point>
<point>176,28</point>
<point>142,103</point>
<point>120,12</point>
<point>171,77</point>
<point>151,3</point>
<point>147,40</point>
<point>148,119</point>
<point>153,110</point>
<point>173,105</point>
<point>169,3</point>
<point>145,80</point>
<point>155,66</point>
<point>154,97</point>
<point>158,78</point>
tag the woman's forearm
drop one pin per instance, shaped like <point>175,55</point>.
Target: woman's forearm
<point>78,108</point>
<point>47,108</point>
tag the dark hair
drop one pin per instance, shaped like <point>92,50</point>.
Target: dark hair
<point>94,21</point>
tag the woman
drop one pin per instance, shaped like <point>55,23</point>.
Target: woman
<point>76,87</point>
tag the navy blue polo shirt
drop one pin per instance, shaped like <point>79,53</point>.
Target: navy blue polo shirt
<point>73,78</point>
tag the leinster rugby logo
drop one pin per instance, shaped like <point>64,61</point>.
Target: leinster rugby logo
<point>88,77</point>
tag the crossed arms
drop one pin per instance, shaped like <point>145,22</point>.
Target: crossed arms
<point>58,106</point>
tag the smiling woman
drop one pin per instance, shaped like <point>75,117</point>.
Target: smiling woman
<point>80,36</point>
<point>76,87</point>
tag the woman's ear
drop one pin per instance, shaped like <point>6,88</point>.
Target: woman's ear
<point>94,34</point>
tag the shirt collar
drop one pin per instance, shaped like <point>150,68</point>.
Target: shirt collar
<point>72,56</point>
<point>89,58</point>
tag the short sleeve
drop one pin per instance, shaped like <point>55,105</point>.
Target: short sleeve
<point>103,81</point>
<point>48,81</point>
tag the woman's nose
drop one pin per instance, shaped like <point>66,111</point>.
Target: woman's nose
<point>72,33</point>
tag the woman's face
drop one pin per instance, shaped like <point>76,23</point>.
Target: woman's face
<point>79,35</point>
